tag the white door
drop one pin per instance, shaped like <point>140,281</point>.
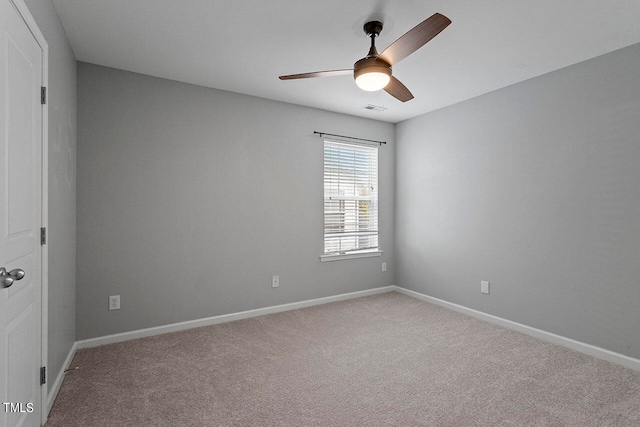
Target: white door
<point>20,219</point>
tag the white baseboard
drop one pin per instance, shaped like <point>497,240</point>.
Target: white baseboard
<point>601,353</point>
<point>55,388</point>
<point>175,327</point>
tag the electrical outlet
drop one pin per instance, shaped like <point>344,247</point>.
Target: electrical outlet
<point>484,287</point>
<point>114,302</point>
<point>275,281</point>
<point>384,266</point>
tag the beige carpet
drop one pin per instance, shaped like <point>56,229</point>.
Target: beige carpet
<point>384,360</point>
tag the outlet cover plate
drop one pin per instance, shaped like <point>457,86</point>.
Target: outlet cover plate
<point>484,287</point>
<point>114,302</point>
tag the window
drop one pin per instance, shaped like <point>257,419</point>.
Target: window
<point>350,198</point>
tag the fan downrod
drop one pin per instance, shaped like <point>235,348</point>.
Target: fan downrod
<point>372,29</point>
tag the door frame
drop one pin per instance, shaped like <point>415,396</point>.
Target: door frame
<point>24,12</point>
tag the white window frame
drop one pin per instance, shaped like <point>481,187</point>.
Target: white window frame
<point>343,188</point>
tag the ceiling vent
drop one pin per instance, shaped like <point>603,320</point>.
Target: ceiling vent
<point>371,107</point>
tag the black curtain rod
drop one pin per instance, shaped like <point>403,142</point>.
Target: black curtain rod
<point>350,137</point>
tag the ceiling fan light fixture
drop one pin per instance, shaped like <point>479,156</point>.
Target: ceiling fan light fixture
<point>372,81</point>
<point>372,74</point>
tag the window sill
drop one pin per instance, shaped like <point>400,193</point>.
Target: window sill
<point>351,255</point>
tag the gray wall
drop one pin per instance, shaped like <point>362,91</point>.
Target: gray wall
<point>62,186</point>
<point>535,188</point>
<point>190,199</point>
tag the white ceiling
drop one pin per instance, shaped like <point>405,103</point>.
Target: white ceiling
<point>244,45</point>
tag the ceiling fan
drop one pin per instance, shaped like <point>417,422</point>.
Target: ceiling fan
<point>373,72</point>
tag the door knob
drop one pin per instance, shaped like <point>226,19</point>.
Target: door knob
<point>7,279</point>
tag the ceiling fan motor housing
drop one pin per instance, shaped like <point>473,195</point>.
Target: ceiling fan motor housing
<point>371,65</point>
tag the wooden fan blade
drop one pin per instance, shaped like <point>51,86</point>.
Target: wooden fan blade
<point>415,38</point>
<point>399,91</point>
<point>330,73</point>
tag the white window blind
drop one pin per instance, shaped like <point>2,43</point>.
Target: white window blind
<point>350,197</point>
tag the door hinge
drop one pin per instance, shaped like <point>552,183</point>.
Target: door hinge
<point>43,95</point>
<point>43,236</point>
<point>43,375</point>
